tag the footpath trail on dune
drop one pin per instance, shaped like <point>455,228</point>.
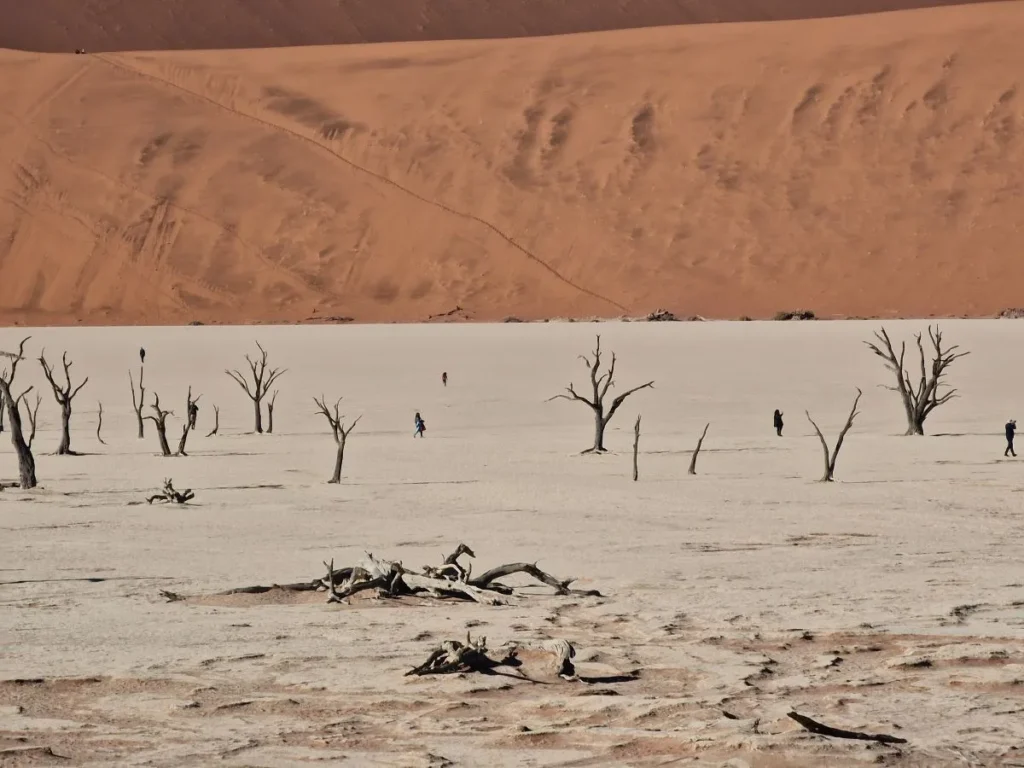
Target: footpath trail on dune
<point>859,166</point>
<point>135,25</point>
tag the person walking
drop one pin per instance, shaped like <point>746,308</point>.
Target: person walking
<point>444,378</point>
<point>777,422</point>
<point>1011,428</point>
<point>421,426</point>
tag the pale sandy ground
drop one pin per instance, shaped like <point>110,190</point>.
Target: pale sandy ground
<point>707,579</point>
<point>859,166</point>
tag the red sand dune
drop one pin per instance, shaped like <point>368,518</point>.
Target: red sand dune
<point>135,25</point>
<point>868,165</point>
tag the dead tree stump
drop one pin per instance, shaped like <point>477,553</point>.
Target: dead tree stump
<point>830,461</point>
<point>26,461</point>
<point>160,420</point>
<point>921,399</point>
<point>693,459</point>
<point>262,379</point>
<point>270,413</point>
<point>63,394</point>
<point>140,401</point>
<point>339,431</point>
<point>600,382</point>
<point>168,494</point>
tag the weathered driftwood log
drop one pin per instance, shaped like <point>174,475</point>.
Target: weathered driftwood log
<point>449,580</point>
<point>339,431</point>
<point>99,423</point>
<point>262,379</point>
<point>920,400</point>
<point>636,448</point>
<point>600,383</point>
<point>693,459</point>
<point>138,402</point>
<point>830,461</point>
<point>838,733</point>
<point>456,657</point>
<point>160,420</point>
<point>168,494</point>
<point>8,401</point>
<point>64,393</point>
<point>216,422</point>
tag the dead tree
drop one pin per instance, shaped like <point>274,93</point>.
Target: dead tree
<point>99,424</point>
<point>693,459</point>
<point>160,420</point>
<point>190,422</point>
<point>920,400</point>
<point>168,494</point>
<point>63,394</point>
<point>340,433</point>
<point>26,461</point>
<point>830,461</point>
<point>33,416</point>
<point>636,448</point>
<point>270,413</point>
<point>262,379</point>
<point>139,402</point>
<point>216,422</point>
<point>600,382</point>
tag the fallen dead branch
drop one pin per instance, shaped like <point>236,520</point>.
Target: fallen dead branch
<point>450,580</point>
<point>837,733</point>
<point>168,494</point>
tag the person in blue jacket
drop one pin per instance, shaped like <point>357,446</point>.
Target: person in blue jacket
<point>421,426</point>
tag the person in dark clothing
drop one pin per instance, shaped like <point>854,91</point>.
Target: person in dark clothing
<point>142,354</point>
<point>444,378</point>
<point>421,426</point>
<point>777,421</point>
<point>1011,428</point>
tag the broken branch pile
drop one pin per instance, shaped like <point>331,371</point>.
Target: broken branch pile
<point>168,494</point>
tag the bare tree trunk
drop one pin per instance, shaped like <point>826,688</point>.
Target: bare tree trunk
<point>64,449</point>
<point>2,413</point>
<point>339,460</point>
<point>601,382</point>
<point>259,416</point>
<point>63,394</point>
<point>270,413</point>
<point>26,461</point>
<point>216,421</point>
<point>191,409</point>
<point>140,402</point>
<point>693,459</point>
<point>636,448</point>
<point>339,431</point>
<point>32,413</point>
<point>99,424</point>
<point>830,461</point>
<point>160,420</point>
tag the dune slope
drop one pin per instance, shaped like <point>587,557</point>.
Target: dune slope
<point>133,25</point>
<point>856,166</point>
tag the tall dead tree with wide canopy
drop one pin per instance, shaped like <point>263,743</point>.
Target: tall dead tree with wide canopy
<point>9,402</point>
<point>262,380</point>
<point>600,383</point>
<point>63,393</point>
<point>341,434</point>
<point>920,399</point>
